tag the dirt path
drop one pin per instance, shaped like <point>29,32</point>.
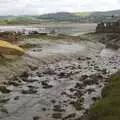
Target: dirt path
<point>63,81</point>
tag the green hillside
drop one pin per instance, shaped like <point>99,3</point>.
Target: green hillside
<point>80,17</point>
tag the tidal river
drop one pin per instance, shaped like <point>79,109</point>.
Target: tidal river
<point>69,29</point>
<point>63,80</point>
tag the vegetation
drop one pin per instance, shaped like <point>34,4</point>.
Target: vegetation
<point>10,49</point>
<point>108,108</point>
<point>83,14</point>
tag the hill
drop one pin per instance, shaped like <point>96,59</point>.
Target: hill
<point>81,17</point>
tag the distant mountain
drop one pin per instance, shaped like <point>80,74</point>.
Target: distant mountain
<point>60,16</point>
<point>81,17</point>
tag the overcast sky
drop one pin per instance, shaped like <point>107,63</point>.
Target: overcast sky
<point>18,7</point>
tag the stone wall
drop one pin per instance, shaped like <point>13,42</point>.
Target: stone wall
<point>108,27</point>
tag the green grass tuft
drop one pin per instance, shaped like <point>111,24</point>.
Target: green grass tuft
<point>108,108</point>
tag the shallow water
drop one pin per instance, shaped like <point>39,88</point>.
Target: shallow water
<point>66,86</point>
<point>69,29</point>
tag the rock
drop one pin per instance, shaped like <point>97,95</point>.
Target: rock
<point>3,89</point>
<point>36,118</point>
<point>16,98</point>
<point>49,71</point>
<point>72,115</point>
<point>77,104</point>
<point>96,76</point>
<point>90,90</point>
<point>14,83</point>
<point>24,74</point>
<point>46,85</point>
<point>53,101</point>
<point>40,74</point>
<point>95,98</point>
<point>44,109</point>
<point>78,94</point>
<point>96,68</point>
<point>30,91</point>
<point>72,89</point>
<point>57,115</point>
<point>78,58</point>
<point>81,58</point>
<point>83,77</point>
<point>79,85</point>
<point>4,110</point>
<point>79,118</point>
<point>104,71</point>
<point>58,108</point>
<point>32,80</point>
<point>33,68</point>
<point>90,81</point>
<point>4,100</point>
<point>88,58</point>
<point>93,79</point>
<point>62,74</point>
<point>79,67</point>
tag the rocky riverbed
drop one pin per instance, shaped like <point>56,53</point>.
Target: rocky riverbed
<point>62,81</point>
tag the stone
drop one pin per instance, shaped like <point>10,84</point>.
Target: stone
<point>78,94</point>
<point>83,77</point>
<point>95,98</point>
<point>77,104</point>
<point>79,85</point>
<point>14,83</point>
<point>53,101</point>
<point>24,74</point>
<point>49,72</point>
<point>104,71</point>
<point>90,90</point>
<point>3,89</point>
<point>30,91</point>
<point>4,100</point>
<point>57,115</point>
<point>72,115</point>
<point>36,118</point>
<point>46,85</point>
<point>96,76</point>
<point>44,109</point>
<point>16,98</point>
<point>57,108</point>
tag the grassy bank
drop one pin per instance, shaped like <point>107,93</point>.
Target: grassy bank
<point>108,108</point>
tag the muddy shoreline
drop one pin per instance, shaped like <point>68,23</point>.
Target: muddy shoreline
<point>62,84</point>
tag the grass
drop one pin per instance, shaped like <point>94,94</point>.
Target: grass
<point>56,38</point>
<point>82,14</point>
<point>8,48</point>
<point>108,108</point>
<point>45,37</point>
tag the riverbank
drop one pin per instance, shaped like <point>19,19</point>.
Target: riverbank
<point>111,40</point>
<point>62,75</point>
<point>61,78</point>
<point>108,108</point>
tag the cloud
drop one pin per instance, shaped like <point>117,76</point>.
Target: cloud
<point>18,7</point>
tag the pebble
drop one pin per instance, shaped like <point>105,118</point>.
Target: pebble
<point>57,115</point>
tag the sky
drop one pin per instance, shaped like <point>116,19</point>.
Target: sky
<point>25,7</point>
